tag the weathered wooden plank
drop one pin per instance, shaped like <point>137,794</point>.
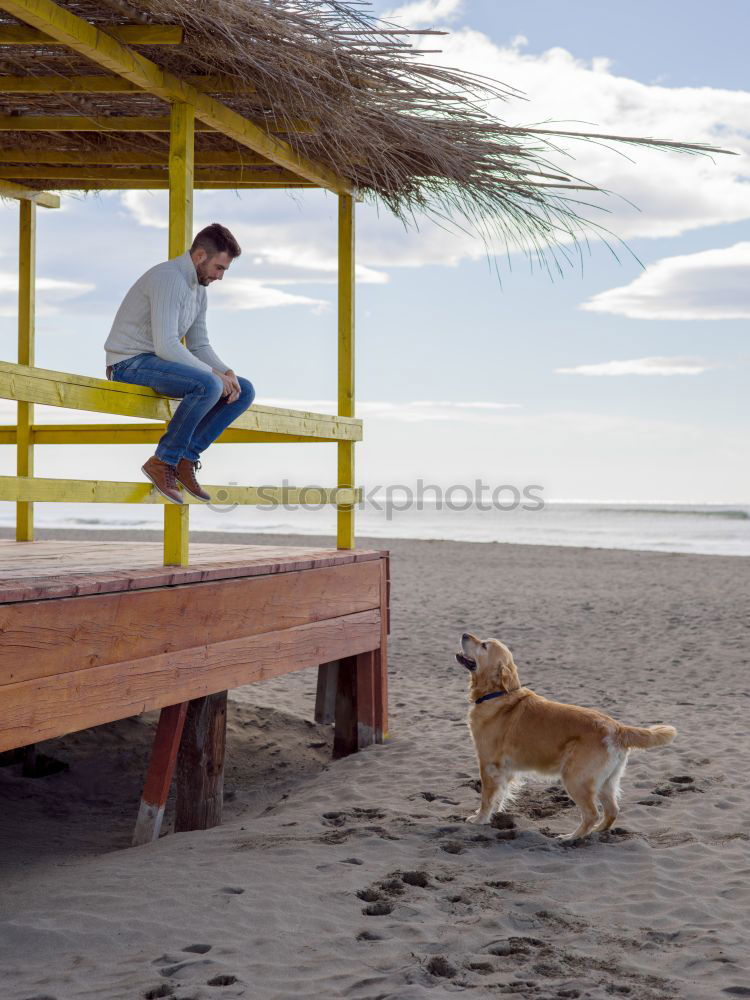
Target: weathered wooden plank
<point>365,670</point>
<point>82,392</point>
<point>200,765</point>
<point>380,679</point>
<point>345,731</point>
<point>325,693</point>
<point>160,772</point>
<point>50,569</point>
<point>8,189</point>
<point>131,34</point>
<point>52,706</point>
<point>42,638</point>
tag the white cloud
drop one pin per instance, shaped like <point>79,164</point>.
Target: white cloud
<point>712,284</point>
<point>643,366</point>
<point>674,193</point>
<point>246,293</point>
<point>51,293</point>
<point>410,411</point>
<point>425,13</point>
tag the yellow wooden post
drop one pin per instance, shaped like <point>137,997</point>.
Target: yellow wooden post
<point>181,169</point>
<point>26,297</point>
<point>345,512</point>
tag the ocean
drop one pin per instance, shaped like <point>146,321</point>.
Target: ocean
<point>711,529</point>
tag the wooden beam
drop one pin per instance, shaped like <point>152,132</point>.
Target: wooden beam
<point>160,772</point>
<point>129,34</point>
<point>200,764</point>
<point>87,185</point>
<point>37,710</point>
<point>15,488</point>
<point>345,514</point>
<point>82,392</point>
<point>106,51</point>
<point>138,434</point>
<point>26,346</point>
<point>77,633</point>
<point>49,172</point>
<point>129,157</point>
<point>10,190</point>
<point>100,84</point>
<point>181,169</point>
<point>115,123</point>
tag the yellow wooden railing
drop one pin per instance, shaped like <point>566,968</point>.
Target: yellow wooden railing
<point>28,384</point>
<point>122,69</point>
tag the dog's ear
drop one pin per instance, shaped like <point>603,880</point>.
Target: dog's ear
<point>509,677</point>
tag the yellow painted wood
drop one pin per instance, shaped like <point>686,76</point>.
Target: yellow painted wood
<point>118,123</point>
<point>49,172</point>
<point>10,190</point>
<point>138,434</point>
<point>26,345</point>
<point>89,123</point>
<point>345,513</point>
<point>129,34</point>
<point>84,185</point>
<point>128,157</point>
<point>15,488</point>
<point>181,170</point>
<point>99,84</point>
<point>106,51</point>
<point>82,392</point>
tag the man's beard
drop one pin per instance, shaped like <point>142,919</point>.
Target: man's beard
<point>203,278</point>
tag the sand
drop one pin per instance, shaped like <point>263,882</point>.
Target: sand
<point>358,878</point>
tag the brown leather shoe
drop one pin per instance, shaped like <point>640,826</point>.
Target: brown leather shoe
<point>186,476</point>
<point>162,475</point>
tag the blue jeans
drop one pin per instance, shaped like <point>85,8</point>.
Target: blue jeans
<point>203,413</point>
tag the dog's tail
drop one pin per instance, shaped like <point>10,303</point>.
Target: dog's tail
<point>638,738</point>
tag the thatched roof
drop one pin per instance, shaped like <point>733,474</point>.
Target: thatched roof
<point>344,89</point>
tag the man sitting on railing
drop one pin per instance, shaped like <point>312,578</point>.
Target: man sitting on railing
<point>143,347</point>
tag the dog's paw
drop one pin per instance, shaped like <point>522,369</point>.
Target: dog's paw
<point>477,817</point>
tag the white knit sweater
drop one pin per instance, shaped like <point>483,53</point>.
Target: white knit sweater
<point>165,304</point>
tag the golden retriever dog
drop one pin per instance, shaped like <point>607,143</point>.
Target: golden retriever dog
<point>516,731</point>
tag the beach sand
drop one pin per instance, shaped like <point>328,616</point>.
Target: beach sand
<point>359,878</point>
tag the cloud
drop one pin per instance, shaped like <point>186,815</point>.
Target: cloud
<point>643,366</point>
<point>425,13</point>
<point>51,293</point>
<point>246,293</point>
<point>674,193</point>
<point>410,411</point>
<point>712,284</point>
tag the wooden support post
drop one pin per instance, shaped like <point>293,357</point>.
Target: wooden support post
<point>345,512</point>
<point>380,679</point>
<point>359,705</point>
<point>181,172</point>
<point>160,772</point>
<point>200,764</point>
<point>325,696</point>
<point>26,313</point>
<point>345,732</point>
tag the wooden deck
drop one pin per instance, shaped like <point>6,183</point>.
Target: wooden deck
<point>91,632</point>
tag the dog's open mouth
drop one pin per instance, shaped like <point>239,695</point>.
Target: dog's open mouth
<point>466,661</point>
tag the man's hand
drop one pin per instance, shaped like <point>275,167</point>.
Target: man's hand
<point>232,387</point>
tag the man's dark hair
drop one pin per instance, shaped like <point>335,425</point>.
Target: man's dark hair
<point>216,239</point>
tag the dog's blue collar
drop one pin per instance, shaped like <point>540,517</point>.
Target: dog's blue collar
<point>492,694</point>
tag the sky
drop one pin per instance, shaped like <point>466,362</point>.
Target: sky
<point>624,378</point>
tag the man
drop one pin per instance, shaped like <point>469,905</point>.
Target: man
<point>167,303</point>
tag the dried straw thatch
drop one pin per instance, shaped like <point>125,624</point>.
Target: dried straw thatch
<point>416,136</point>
